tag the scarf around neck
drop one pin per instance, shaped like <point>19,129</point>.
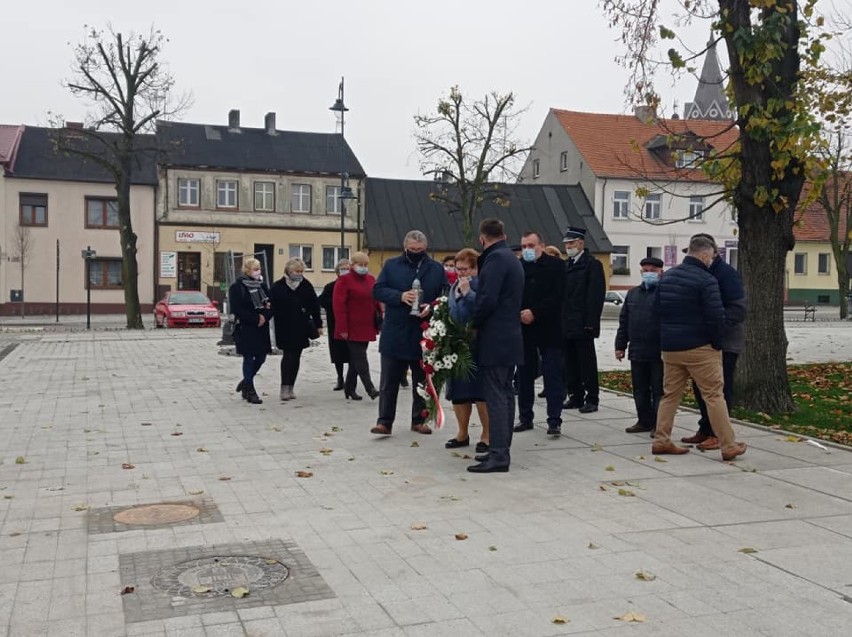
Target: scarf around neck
<point>256,292</point>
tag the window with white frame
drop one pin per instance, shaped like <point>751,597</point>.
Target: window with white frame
<point>696,208</point>
<point>653,252</point>
<point>688,158</point>
<point>188,192</point>
<point>800,263</point>
<point>303,252</point>
<point>620,260</point>
<point>653,205</point>
<point>621,204</point>
<point>226,193</point>
<point>331,255</point>
<point>823,263</point>
<point>264,196</point>
<point>563,161</point>
<point>332,200</point>
<point>300,198</point>
<point>536,168</point>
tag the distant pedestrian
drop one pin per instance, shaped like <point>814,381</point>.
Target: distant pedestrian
<point>248,299</point>
<point>582,304</point>
<point>553,251</point>
<point>338,349</point>
<point>399,344</point>
<point>449,263</point>
<point>297,321</point>
<point>639,335</point>
<point>358,316</point>
<point>499,342</point>
<point>692,326</point>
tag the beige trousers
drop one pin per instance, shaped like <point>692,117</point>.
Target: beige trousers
<point>704,365</point>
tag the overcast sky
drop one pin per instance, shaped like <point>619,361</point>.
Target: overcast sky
<point>398,57</point>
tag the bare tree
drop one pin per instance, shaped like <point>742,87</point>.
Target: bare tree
<point>128,90</point>
<point>22,249</point>
<point>465,145</point>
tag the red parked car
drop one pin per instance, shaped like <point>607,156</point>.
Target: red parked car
<point>185,308</point>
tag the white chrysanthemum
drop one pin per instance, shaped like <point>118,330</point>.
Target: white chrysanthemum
<point>437,366</point>
<point>422,392</point>
<point>455,358</point>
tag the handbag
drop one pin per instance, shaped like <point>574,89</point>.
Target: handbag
<point>313,330</point>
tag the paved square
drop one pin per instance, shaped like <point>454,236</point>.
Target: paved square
<point>104,520</point>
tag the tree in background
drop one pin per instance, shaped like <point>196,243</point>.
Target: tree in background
<point>465,145</point>
<point>768,42</point>
<point>22,249</point>
<point>128,90</point>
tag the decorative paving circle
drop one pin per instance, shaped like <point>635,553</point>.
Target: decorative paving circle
<point>218,576</point>
<point>152,514</point>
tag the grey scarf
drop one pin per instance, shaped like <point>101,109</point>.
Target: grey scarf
<point>256,292</point>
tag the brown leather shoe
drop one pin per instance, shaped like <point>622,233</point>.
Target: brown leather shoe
<point>381,430</point>
<point>421,428</point>
<point>711,444</point>
<point>659,449</point>
<point>732,455</point>
<point>698,438</point>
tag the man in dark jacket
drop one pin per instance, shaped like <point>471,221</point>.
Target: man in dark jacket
<point>583,295</point>
<point>639,335</point>
<point>499,343</point>
<point>542,333</point>
<point>410,278</point>
<point>734,301</point>
<point>691,329</point>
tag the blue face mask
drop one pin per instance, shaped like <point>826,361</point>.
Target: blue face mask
<point>650,279</point>
<point>360,269</point>
<point>528,254</point>
<point>344,271</point>
<point>296,278</point>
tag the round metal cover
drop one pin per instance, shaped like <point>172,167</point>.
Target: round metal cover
<point>218,576</point>
<point>152,514</point>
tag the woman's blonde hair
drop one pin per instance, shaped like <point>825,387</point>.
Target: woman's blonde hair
<point>340,264</point>
<point>249,265</point>
<point>293,264</point>
<point>362,258</point>
<point>553,251</point>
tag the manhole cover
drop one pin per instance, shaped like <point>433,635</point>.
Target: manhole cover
<point>220,575</point>
<point>157,514</point>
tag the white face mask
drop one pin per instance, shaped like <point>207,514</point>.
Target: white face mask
<point>255,274</point>
<point>572,252</point>
<point>344,271</point>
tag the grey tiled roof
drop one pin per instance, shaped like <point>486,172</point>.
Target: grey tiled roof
<point>393,207</point>
<point>253,149</point>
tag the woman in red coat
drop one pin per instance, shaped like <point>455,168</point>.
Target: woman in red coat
<point>357,316</point>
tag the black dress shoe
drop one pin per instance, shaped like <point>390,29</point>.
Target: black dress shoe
<point>523,426</point>
<point>588,408</point>
<point>481,447</point>
<point>489,466</point>
<point>373,393</point>
<point>455,443</point>
<point>553,430</point>
<point>403,382</point>
<point>570,404</point>
<point>481,458</point>
<point>339,385</point>
<point>638,428</point>
<point>542,394</point>
<point>352,395</point>
<point>240,387</point>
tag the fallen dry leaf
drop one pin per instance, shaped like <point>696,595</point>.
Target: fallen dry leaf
<point>559,619</point>
<point>638,457</point>
<point>198,590</point>
<point>467,457</point>
<point>386,472</point>
<point>202,450</point>
<point>335,428</point>
<point>645,576</point>
<point>304,474</point>
<point>626,492</point>
<point>196,492</point>
<point>419,526</point>
<point>597,447</point>
<point>790,506</point>
<point>747,550</point>
<point>146,424</point>
<point>20,460</point>
<point>792,439</point>
<point>224,478</point>
<point>603,487</point>
<point>273,428</point>
<point>659,459</point>
<point>79,507</point>
<point>461,536</point>
<point>631,617</point>
<point>177,433</point>
<point>127,590</point>
<point>14,534</point>
<point>609,468</point>
<point>492,548</point>
<point>127,465</point>
<point>326,451</point>
<point>593,546</point>
<point>414,443</point>
<point>239,592</point>
<point>618,483</point>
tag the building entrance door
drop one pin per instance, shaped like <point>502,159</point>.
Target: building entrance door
<point>189,271</point>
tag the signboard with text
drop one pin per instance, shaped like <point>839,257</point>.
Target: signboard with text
<point>669,256</point>
<point>188,236</point>
<point>168,265</point>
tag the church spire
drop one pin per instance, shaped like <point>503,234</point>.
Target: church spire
<point>710,100</point>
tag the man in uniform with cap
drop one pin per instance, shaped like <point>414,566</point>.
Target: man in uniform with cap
<point>639,335</point>
<point>582,303</point>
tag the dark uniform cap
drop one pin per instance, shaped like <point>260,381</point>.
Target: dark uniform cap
<point>574,233</point>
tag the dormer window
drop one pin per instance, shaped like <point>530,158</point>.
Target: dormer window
<point>688,158</point>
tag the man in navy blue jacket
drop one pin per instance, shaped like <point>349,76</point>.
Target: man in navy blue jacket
<point>692,324</point>
<point>499,342</point>
<point>399,344</point>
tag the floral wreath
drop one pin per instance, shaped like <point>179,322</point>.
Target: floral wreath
<point>446,355</point>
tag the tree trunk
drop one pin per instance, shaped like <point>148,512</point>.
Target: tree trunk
<point>129,266</point>
<point>23,298</point>
<point>843,289</point>
<point>762,383</point>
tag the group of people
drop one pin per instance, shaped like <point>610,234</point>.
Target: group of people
<point>533,314</point>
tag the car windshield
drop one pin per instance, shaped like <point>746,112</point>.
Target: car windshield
<point>188,298</point>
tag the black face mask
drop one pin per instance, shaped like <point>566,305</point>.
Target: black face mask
<point>414,257</point>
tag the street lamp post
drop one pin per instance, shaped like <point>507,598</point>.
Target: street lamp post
<point>345,191</point>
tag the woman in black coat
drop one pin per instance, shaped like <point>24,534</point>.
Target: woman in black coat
<point>248,298</point>
<point>296,311</point>
<point>338,349</point>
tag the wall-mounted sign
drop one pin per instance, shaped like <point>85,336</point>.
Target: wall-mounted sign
<point>186,236</point>
<point>669,256</point>
<point>168,265</point>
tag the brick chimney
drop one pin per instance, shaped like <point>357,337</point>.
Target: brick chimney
<point>269,123</point>
<point>234,120</point>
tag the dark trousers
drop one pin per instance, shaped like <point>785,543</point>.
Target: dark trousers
<point>581,371</point>
<point>290,360</point>
<point>251,365</point>
<point>393,371</point>
<point>496,384</point>
<point>358,367</point>
<point>729,366</point>
<point>551,371</point>
<point>647,378</point>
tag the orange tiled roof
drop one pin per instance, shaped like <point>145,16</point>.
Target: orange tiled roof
<point>812,222</point>
<point>609,143</point>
